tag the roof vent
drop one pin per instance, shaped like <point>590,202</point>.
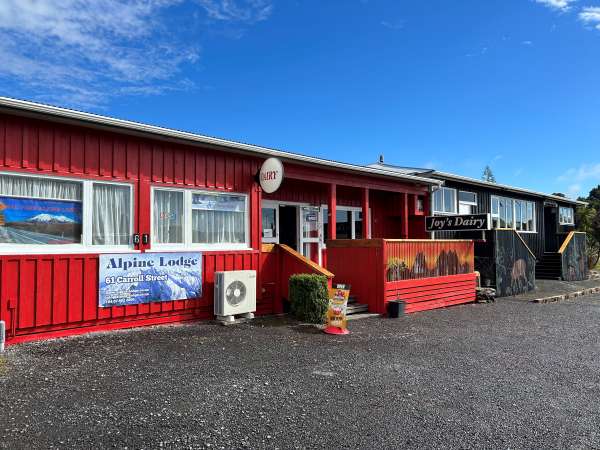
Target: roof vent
<point>380,159</point>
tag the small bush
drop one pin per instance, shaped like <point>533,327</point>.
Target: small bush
<point>309,297</point>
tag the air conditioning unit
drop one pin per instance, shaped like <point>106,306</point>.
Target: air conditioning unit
<point>235,294</point>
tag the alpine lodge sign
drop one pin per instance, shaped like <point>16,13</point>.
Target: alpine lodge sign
<point>467,222</point>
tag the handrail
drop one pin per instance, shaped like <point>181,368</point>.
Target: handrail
<point>313,265</point>
<point>568,240</point>
<point>525,244</point>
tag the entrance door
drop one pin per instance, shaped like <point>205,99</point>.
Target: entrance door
<point>288,226</point>
<point>310,238</point>
<point>550,229</point>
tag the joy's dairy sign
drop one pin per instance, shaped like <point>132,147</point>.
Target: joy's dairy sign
<point>271,175</point>
<point>458,223</point>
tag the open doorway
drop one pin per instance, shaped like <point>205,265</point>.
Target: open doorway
<point>550,228</point>
<point>288,226</point>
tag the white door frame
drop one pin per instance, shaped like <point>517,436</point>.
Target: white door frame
<point>314,240</point>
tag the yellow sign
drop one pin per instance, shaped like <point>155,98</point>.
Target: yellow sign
<point>336,314</point>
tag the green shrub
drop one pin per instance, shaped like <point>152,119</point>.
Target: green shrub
<point>309,297</point>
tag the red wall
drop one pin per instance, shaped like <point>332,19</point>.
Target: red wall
<point>57,294</point>
<point>41,293</point>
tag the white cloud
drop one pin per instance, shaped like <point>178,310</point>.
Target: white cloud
<point>590,15</point>
<point>576,177</point>
<point>241,10</point>
<point>83,52</point>
<point>561,5</point>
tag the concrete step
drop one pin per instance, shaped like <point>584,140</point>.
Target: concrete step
<point>356,308</point>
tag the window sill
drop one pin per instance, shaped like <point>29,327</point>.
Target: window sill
<point>158,248</point>
<point>16,251</point>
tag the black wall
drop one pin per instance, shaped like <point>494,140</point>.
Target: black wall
<point>535,241</point>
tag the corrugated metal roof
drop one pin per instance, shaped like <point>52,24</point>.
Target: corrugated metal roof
<point>10,104</point>
<point>488,184</point>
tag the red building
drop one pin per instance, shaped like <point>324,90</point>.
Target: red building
<point>122,179</point>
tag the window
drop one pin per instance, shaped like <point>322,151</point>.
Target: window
<point>444,201</point>
<point>510,213</point>
<point>269,223</point>
<point>524,215</point>
<point>566,215</point>
<point>420,205</point>
<point>467,202</point>
<point>349,223</point>
<point>39,210</point>
<point>199,219</point>
<point>218,219</point>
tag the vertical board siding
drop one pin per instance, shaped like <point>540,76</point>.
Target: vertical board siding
<point>61,292</point>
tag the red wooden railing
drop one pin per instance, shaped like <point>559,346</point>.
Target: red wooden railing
<point>278,263</point>
<point>425,274</point>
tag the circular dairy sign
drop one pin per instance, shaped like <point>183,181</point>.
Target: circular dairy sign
<point>271,175</point>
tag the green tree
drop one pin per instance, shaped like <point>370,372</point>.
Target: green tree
<point>588,221</point>
<point>488,175</point>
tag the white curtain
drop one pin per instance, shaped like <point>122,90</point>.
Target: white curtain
<point>168,217</point>
<point>218,227</point>
<point>218,219</point>
<point>111,223</point>
<point>16,186</point>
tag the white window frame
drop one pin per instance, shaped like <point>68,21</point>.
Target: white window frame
<point>463,202</point>
<point>514,213</point>
<point>187,243</point>
<point>270,204</point>
<point>560,215</point>
<point>87,199</point>
<point>454,195</point>
<point>355,210</point>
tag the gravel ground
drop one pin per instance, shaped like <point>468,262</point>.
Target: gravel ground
<point>510,374</point>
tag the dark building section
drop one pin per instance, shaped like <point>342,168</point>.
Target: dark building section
<point>543,222</point>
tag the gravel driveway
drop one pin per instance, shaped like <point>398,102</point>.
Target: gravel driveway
<point>506,375</point>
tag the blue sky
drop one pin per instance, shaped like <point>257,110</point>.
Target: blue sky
<point>448,85</point>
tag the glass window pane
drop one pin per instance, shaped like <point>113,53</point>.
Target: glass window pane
<point>469,197</point>
<point>518,216</point>
<point>449,200</point>
<point>358,225</point>
<point>310,222</point>
<point>495,206</point>
<point>343,224</point>
<point>502,211</point>
<point>438,202</point>
<point>168,217</point>
<point>111,215</point>
<point>509,214</point>
<point>40,211</point>
<point>269,223</point>
<point>530,216</point>
<point>218,219</point>
<point>33,187</point>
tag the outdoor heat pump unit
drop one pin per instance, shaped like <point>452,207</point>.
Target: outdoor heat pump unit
<point>235,294</point>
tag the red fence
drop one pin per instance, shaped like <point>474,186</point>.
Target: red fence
<point>57,295</point>
<point>430,273</point>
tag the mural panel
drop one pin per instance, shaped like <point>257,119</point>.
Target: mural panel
<point>574,259</point>
<point>515,264</point>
